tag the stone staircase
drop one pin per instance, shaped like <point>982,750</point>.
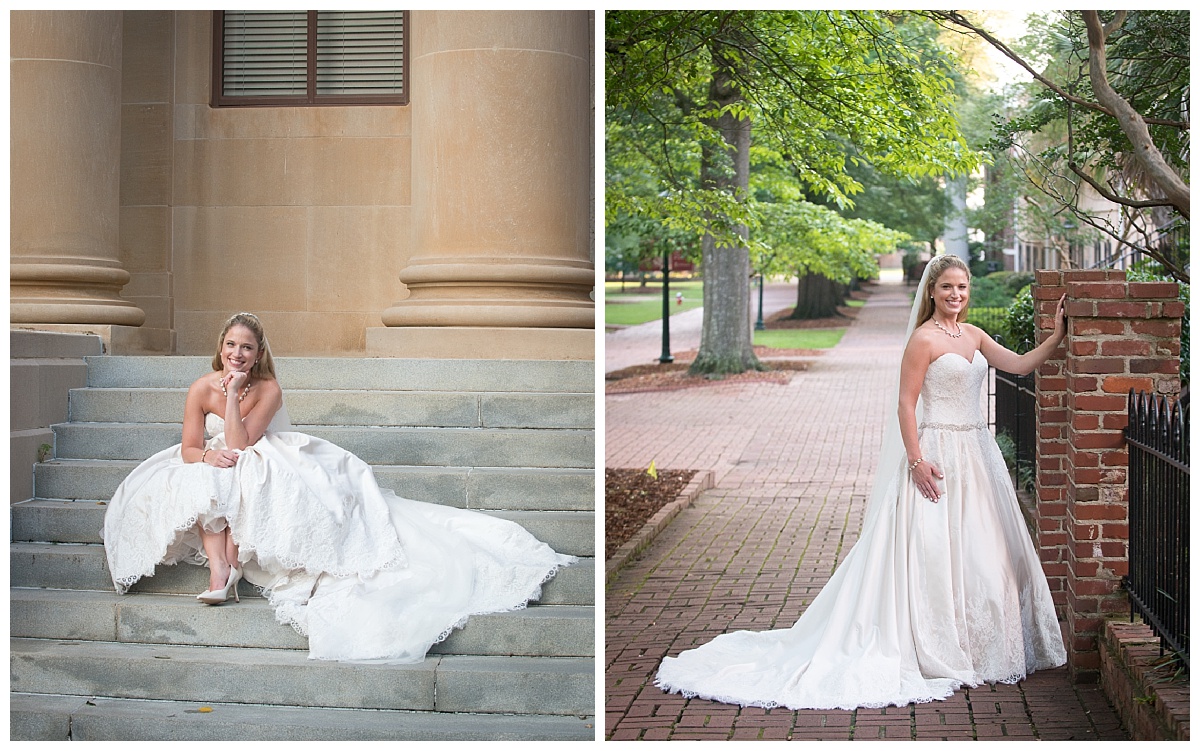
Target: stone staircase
<point>514,439</point>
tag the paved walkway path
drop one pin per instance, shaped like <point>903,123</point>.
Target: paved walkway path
<point>793,468</point>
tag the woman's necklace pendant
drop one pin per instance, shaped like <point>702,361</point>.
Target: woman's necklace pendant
<point>947,331</point>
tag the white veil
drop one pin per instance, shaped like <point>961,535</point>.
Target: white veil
<point>891,449</point>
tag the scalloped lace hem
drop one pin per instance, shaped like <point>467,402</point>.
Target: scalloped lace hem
<point>845,704</point>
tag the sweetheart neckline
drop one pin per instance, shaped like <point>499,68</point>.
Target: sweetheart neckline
<point>969,362</point>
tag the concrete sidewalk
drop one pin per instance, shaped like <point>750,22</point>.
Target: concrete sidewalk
<point>793,467</point>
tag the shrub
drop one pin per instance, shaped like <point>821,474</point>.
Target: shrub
<point>1018,328</point>
<point>990,320</point>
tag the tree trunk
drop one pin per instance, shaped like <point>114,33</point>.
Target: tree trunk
<point>1132,125</point>
<point>817,296</point>
<point>726,336</point>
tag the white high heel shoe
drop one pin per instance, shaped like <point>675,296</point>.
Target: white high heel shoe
<point>218,596</point>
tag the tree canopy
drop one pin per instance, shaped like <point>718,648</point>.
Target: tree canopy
<point>1108,110</point>
<point>824,91</point>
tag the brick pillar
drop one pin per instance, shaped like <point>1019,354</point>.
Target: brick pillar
<point>1051,478</point>
<point>1121,335</point>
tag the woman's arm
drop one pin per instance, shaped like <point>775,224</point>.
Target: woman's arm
<point>243,432</point>
<point>192,447</point>
<point>912,375</point>
<point>1011,362</point>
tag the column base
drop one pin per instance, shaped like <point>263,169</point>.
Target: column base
<point>481,343</point>
<point>118,340</point>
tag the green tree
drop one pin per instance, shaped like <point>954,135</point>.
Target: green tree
<point>823,249</point>
<point>810,84</point>
<point>1111,110</point>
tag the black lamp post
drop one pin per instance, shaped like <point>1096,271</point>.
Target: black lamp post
<point>666,357</point>
<point>759,325</point>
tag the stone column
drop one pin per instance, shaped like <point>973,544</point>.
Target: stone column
<point>502,189</point>
<point>66,154</point>
<point>1122,336</point>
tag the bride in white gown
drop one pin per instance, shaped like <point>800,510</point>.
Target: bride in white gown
<point>362,573</point>
<point>944,588</point>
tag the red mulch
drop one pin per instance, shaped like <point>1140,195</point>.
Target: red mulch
<point>631,497</point>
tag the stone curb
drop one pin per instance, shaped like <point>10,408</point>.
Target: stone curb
<point>701,481</point>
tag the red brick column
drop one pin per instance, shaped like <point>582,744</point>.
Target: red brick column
<point>1051,478</point>
<point>1120,336</point>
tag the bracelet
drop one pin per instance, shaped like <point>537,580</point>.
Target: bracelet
<point>913,466</point>
<point>203,454</point>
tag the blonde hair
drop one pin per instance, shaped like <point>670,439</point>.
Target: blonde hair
<point>938,266</point>
<point>264,367</point>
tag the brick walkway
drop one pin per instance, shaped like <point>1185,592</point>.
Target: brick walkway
<point>793,466</point>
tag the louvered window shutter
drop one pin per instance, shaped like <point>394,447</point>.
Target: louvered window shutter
<point>274,58</point>
<point>360,52</point>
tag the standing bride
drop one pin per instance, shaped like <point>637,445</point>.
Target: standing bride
<point>361,572</point>
<point>944,588</point>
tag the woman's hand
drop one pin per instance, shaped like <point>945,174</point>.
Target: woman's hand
<point>1060,318</point>
<point>233,382</point>
<point>223,458</point>
<point>925,476</point>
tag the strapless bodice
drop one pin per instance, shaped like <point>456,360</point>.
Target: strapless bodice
<point>213,424</point>
<point>950,394</point>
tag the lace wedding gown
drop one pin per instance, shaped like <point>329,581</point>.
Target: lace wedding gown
<point>934,596</point>
<point>363,573</point>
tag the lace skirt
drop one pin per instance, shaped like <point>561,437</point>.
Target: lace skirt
<point>363,573</point>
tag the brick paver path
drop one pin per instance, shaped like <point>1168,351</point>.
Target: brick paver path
<point>793,468</point>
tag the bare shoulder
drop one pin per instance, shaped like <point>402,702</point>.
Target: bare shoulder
<point>921,342</point>
<point>202,384</point>
<point>270,392</point>
<point>270,386</point>
<point>980,337</point>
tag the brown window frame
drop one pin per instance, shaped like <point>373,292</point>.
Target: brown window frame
<point>311,99</point>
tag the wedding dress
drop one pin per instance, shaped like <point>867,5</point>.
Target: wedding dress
<point>934,596</point>
<point>363,573</point>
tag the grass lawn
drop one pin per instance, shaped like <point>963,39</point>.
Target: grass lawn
<point>642,311</point>
<point>798,338</point>
<point>632,287</point>
<point>643,304</point>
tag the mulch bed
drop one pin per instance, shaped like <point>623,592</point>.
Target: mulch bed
<point>674,376</point>
<point>631,497</point>
<point>845,317</point>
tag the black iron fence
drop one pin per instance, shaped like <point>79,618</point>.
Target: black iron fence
<point>1014,403</point>
<point>1159,504</point>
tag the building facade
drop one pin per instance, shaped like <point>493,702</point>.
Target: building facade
<point>456,225</point>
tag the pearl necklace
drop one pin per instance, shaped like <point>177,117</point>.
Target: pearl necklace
<point>947,331</point>
<point>242,398</point>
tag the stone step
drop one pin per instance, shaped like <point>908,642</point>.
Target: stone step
<point>546,489</point>
<point>455,447</point>
<point>441,683</point>
<point>570,532</point>
<point>358,407</point>
<point>359,373</point>
<point>40,717</point>
<point>540,630</point>
<point>84,567</point>
<point>52,344</point>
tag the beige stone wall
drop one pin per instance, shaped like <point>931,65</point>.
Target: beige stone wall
<point>147,95</point>
<point>174,213</point>
<point>298,214</point>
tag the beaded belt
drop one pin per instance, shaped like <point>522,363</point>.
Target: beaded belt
<point>950,426</point>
